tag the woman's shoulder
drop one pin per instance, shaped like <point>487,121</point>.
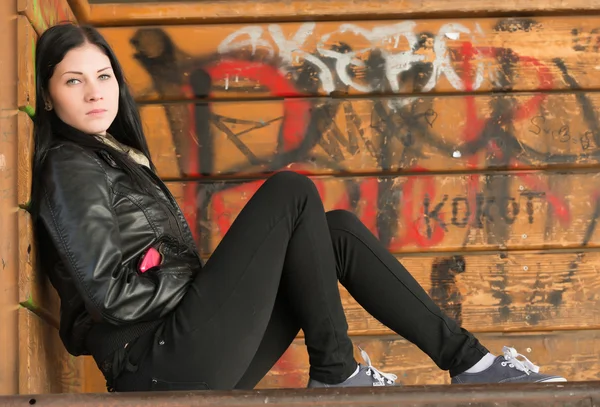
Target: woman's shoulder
<point>70,158</point>
<point>71,152</point>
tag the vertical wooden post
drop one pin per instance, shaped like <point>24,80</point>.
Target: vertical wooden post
<point>8,199</point>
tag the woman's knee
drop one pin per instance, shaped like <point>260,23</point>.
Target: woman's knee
<point>292,181</point>
<point>342,219</point>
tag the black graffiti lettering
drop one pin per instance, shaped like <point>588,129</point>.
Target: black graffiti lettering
<point>506,211</point>
<point>483,206</point>
<point>531,195</point>
<point>536,122</point>
<point>434,214</point>
<point>581,41</point>
<point>430,117</point>
<point>467,211</point>
<point>478,221</point>
<point>563,134</point>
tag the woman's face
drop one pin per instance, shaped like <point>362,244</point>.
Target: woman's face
<point>84,91</point>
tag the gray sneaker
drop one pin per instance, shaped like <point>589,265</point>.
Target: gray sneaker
<point>508,369</point>
<point>367,376</point>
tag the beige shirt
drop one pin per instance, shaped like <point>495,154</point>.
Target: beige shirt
<point>133,153</point>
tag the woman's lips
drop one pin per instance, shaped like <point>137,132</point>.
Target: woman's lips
<point>96,112</point>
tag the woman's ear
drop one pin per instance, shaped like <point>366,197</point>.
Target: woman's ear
<point>47,101</point>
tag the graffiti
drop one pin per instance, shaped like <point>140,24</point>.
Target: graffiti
<point>584,41</point>
<point>394,133</point>
<point>443,285</point>
<point>395,49</point>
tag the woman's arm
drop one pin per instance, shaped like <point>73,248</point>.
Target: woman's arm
<point>76,209</point>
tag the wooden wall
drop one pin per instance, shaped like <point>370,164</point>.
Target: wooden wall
<point>8,201</point>
<point>44,366</point>
<point>469,144</point>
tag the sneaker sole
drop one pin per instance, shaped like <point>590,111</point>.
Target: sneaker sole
<point>553,380</point>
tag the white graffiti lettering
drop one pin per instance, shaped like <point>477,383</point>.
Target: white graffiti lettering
<point>397,44</point>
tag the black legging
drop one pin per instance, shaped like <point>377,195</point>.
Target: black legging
<point>275,272</point>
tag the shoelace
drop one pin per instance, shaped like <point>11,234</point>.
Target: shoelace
<point>511,355</point>
<point>377,375</point>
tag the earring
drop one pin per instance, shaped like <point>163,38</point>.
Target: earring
<point>48,106</point>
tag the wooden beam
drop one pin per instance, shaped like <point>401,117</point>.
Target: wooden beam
<point>483,395</point>
<point>43,14</point>
<point>9,361</point>
<point>81,9</point>
<point>26,63</point>
<point>238,11</point>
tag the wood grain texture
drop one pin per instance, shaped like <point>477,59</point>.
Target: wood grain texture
<point>359,57</point>
<point>81,9</point>
<point>36,293</point>
<point>425,213</point>
<point>571,354</point>
<point>376,135</point>
<point>514,291</point>
<point>94,381</point>
<point>44,364</point>
<point>24,158</point>
<point>43,14</point>
<point>9,260</point>
<point>27,38</point>
<point>215,11</point>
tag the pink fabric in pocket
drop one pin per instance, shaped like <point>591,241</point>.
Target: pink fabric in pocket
<point>152,258</point>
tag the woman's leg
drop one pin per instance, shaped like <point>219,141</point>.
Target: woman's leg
<point>278,244</point>
<point>282,329</point>
<point>386,290</point>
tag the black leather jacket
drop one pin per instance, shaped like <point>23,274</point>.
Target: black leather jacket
<point>94,225</point>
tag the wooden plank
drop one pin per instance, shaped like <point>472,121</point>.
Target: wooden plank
<point>36,293</point>
<point>81,8</point>
<point>431,213</point>
<point>45,13</point>
<point>44,364</point>
<point>216,11</point>
<point>24,158</point>
<point>27,38</point>
<point>93,379</point>
<point>508,291</point>
<point>573,394</point>
<point>571,354</point>
<point>374,135</point>
<point>361,57</point>
<point>8,199</point>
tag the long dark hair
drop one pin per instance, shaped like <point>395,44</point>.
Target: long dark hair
<point>49,130</point>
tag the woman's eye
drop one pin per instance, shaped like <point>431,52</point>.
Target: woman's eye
<point>104,77</point>
<point>73,81</point>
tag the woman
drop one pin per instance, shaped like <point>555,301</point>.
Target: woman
<point>134,292</point>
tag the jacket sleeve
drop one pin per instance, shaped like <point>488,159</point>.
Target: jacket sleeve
<point>76,209</point>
